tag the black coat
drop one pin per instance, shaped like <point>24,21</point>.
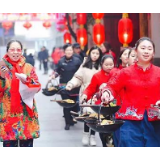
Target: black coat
<point>67,68</point>
<point>30,59</point>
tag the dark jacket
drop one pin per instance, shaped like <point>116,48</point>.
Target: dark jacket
<point>44,55</point>
<point>30,59</point>
<point>67,68</point>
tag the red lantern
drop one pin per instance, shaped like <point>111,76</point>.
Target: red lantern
<point>47,24</point>
<point>125,31</point>
<point>7,25</point>
<point>98,34</point>
<point>81,18</point>
<point>67,38</point>
<point>97,15</point>
<point>82,37</point>
<point>27,25</point>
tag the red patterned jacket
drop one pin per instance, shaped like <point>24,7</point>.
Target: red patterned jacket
<point>96,81</point>
<point>141,89</point>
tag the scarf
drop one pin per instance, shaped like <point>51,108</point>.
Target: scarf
<point>16,106</point>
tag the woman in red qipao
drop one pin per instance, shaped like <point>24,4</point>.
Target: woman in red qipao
<point>141,84</point>
<point>97,82</point>
<point>126,58</point>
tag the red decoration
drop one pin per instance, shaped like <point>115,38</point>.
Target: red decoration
<point>125,30</point>
<point>60,25</point>
<point>27,25</point>
<point>7,25</point>
<point>22,14</point>
<point>98,34</point>
<point>82,37</point>
<point>34,14</point>
<point>67,38</point>
<point>81,18</point>
<point>47,24</point>
<point>97,15</point>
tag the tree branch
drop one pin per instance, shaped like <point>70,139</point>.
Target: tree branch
<point>69,27</point>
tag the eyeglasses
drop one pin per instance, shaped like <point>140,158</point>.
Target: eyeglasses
<point>14,50</point>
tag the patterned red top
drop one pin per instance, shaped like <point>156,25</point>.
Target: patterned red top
<point>141,89</point>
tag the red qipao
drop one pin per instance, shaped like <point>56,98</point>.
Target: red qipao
<point>141,89</point>
<point>96,81</point>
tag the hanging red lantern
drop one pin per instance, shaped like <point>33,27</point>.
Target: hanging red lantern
<point>82,37</point>
<point>125,31</point>
<point>97,15</point>
<point>7,25</point>
<point>47,24</point>
<point>60,25</point>
<point>98,33</point>
<point>67,38</point>
<point>27,25</point>
<point>81,18</point>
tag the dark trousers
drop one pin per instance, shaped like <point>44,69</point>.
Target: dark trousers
<point>86,129</point>
<point>139,133</point>
<point>45,65</point>
<point>22,143</point>
<point>66,111</point>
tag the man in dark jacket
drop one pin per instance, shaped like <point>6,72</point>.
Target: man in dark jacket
<point>66,68</point>
<point>44,58</point>
<point>78,52</point>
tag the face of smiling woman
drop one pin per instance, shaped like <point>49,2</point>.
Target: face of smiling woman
<point>14,51</point>
<point>145,52</point>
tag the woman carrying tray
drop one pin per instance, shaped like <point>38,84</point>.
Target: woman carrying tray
<point>141,84</point>
<point>97,82</point>
<point>82,78</point>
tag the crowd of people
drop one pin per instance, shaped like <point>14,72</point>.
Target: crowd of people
<point>98,74</point>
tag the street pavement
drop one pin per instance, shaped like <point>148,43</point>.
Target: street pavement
<point>52,123</point>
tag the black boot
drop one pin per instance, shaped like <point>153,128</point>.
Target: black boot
<point>67,127</point>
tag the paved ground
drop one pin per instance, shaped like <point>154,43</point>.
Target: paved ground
<point>52,123</point>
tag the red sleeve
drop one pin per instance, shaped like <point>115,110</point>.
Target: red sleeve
<point>32,80</point>
<point>92,87</point>
<point>116,83</point>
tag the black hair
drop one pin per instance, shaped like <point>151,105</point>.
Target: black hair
<point>107,46</point>
<point>67,45</point>
<point>12,41</point>
<point>143,39</point>
<point>119,61</point>
<point>88,63</point>
<point>106,57</point>
<point>131,49</point>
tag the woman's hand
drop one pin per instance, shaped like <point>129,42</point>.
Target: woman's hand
<point>105,98</point>
<point>83,98</point>
<point>69,86</point>
<point>4,71</point>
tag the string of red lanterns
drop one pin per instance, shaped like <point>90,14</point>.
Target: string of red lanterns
<point>81,32</point>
